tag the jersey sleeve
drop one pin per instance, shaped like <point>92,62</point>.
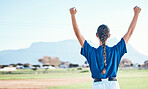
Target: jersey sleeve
<point>120,49</point>
<point>86,51</point>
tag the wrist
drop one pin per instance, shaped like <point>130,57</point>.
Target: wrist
<point>72,14</point>
<point>136,13</point>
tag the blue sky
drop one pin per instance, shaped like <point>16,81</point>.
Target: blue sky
<point>23,22</point>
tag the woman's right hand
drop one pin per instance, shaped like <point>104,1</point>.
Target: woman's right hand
<point>137,9</point>
<point>73,11</point>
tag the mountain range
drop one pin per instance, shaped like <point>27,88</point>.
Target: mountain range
<point>67,50</point>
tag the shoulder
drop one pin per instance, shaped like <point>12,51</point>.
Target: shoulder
<point>120,47</point>
<point>121,42</point>
<point>87,44</point>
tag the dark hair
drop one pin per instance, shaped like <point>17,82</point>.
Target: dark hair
<point>103,32</point>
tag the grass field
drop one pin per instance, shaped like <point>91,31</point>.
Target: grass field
<point>128,79</point>
<point>52,73</point>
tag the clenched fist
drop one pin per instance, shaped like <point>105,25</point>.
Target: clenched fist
<point>73,11</point>
<point>137,9</point>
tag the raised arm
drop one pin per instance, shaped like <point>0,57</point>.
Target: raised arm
<point>131,28</point>
<point>79,36</point>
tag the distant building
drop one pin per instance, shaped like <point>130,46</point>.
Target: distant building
<point>20,67</point>
<point>135,65</point>
<point>9,69</point>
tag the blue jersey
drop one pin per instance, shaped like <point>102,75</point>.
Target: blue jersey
<point>95,58</point>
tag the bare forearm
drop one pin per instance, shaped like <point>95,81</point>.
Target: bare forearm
<point>133,24</point>
<point>75,25</point>
<point>131,28</point>
<point>77,31</point>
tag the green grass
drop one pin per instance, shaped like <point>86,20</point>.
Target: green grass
<point>133,79</point>
<point>127,78</point>
<point>52,73</point>
<point>84,85</point>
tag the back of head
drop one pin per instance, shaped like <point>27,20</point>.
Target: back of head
<point>103,32</point>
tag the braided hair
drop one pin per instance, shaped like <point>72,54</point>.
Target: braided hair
<point>103,33</point>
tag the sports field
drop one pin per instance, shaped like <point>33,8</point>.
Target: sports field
<point>69,79</point>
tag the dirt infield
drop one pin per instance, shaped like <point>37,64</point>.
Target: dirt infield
<point>39,83</point>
